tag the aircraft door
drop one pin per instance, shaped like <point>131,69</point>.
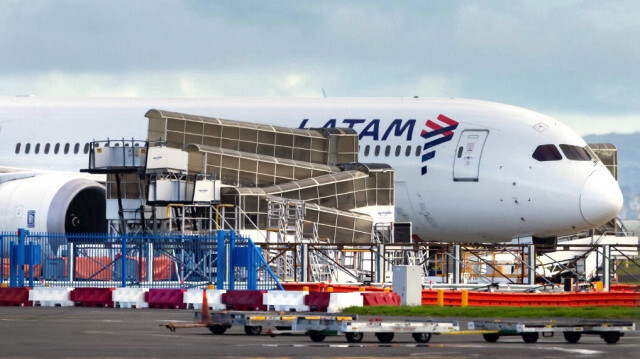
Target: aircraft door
<point>466,164</point>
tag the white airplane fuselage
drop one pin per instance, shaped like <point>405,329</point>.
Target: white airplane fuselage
<point>465,170</point>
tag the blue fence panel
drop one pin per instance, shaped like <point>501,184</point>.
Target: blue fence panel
<point>6,239</point>
<point>155,261</point>
<point>246,266</point>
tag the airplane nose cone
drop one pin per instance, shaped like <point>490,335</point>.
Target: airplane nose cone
<point>601,199</point>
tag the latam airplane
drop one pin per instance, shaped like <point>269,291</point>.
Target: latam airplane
<point>466,170</point>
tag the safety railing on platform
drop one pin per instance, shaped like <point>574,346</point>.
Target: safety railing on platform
<point>150,261</point>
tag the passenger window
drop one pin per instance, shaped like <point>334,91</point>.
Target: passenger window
<point>547,153</point>
<point>407,153</point>
<point>86,148</point>
<point>366,150</point>
<point>575,153</point>
<point>377,151</point>
<point>56,149</point>
<point>66,148</point>
<point>27,149</point>
<point>418,150</point>
<point>460,149</point>
<point>18,145</point>
<point>46,149</point>
<point>387,151</point>
<point>76,149</point>
<point>37,149</point>
<point>398,149</point>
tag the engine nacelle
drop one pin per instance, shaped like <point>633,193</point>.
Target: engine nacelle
<point>55,203</point>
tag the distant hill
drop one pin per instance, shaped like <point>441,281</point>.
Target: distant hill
<point>628,169</point>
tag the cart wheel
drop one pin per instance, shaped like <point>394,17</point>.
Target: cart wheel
<point>491,337</point>
<point>421,337</point>
<point>252,329</point>
<point>217,329</point>
<point>384,337</point>
<point>611,337</point>
<point>530,337</point>
<point>572,337</point>
<point>354,337</point>
<point>316,336</point>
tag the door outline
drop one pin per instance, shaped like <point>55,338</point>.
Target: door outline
<point>468,155</point>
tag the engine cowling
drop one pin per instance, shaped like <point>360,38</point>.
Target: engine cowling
<point>55,203</point>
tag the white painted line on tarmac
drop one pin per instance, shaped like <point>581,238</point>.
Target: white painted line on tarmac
<point>577,351</point>
<point>431,354</point>
<point>159,335</point>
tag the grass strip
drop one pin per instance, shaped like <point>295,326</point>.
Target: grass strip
<point>500,312</point>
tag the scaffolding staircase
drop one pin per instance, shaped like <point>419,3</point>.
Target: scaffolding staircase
<point>286,219</point>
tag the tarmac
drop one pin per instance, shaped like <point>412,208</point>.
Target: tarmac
<point>71,332</point>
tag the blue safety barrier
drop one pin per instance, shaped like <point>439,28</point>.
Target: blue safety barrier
<point>242,259</point>
<point>135,260</point>
<point>21,254</point>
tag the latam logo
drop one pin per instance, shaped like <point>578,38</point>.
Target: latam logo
<point>436,134</point>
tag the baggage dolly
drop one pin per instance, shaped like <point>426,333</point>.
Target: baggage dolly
<point>319,328</point>
<point>252,322</point>
<point>610,331</point>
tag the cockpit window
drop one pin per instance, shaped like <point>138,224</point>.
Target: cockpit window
<point>575,153</point>
<point>547,153</point>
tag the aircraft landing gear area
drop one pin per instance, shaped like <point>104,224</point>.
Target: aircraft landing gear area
<point>319,327</point>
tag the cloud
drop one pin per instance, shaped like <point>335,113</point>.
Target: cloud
<point>590,124</point>
<point>180,84</point>
<point>564,57</point>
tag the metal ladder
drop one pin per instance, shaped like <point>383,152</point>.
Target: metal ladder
<point>285,218</point>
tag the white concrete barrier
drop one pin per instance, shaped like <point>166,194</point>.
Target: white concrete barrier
<point>286,301</point>
<point>51,296</point>
<point>129,298</point>
<point>339,301</point>
<point>193,299</point>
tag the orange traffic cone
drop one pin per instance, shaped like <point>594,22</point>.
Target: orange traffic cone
<point>206,314</point>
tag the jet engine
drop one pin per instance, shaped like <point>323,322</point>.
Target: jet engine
<point>52,202</point>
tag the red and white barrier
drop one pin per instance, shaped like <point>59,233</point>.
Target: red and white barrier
<point>165,298</point>
<point>249,300</point>
<point>339,301</point>
<point>129,298</point>
<point>92,297</point>
<point>51,296</point>
<point>14,297</point>
<point>296,300</point>
<point>193,299</point>
<point>285,301</point>
<point>380,298</point>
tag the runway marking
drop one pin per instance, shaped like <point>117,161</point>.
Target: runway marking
<point>573,351</point>
<point>160,335</point>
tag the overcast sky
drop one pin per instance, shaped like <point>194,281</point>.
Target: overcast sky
<point>575,60</point>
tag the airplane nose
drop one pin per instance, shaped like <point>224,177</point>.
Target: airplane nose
<point>601,198</point>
